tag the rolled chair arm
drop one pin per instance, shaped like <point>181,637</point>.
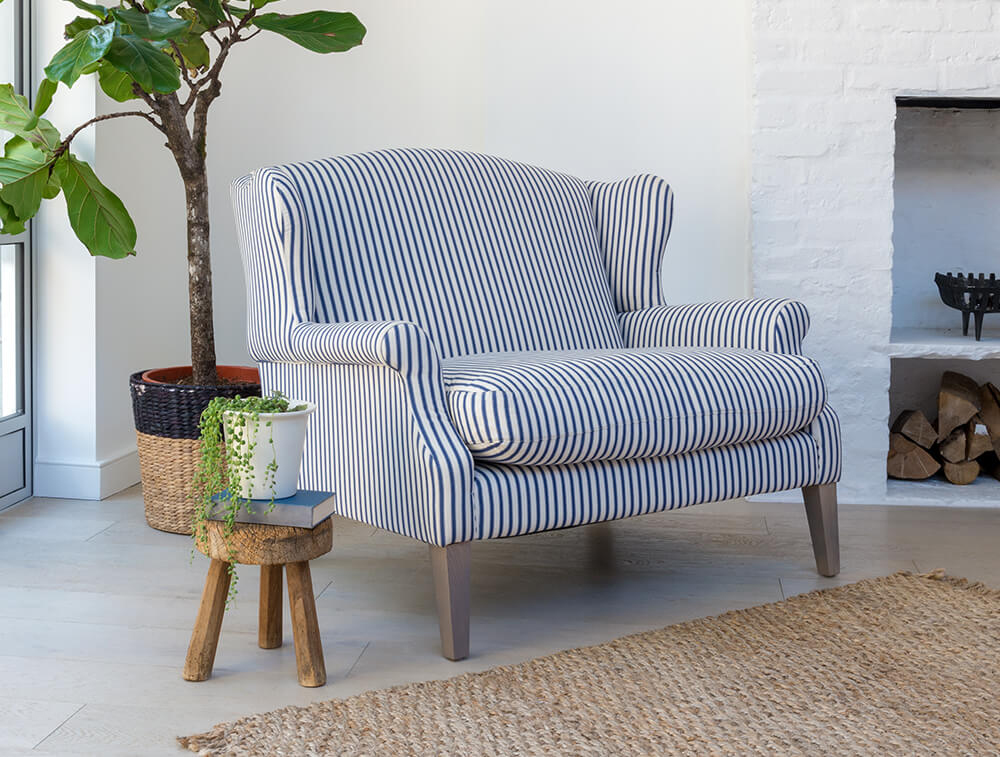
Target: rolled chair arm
<point>400,345</point>
<point>769,325</point>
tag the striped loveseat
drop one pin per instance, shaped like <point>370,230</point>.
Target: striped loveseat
<point>491,355</point>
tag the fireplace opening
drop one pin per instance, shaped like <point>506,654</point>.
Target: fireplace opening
<point>945,219</point>
<point>946,192</point>
<point>947,214</point>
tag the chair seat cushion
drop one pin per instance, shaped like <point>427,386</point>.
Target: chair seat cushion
<point>551,408</point>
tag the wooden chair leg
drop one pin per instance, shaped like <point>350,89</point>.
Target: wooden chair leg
<point>821,512</point>
<point>305,626</point>
<point>269,609</point>
<point>205,637</point>
<point>452,566</point>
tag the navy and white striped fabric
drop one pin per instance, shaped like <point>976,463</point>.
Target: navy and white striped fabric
<point>633,219</point>
<point>366,274</point>
<point>555,408</point>
<point>483,254</point>
<point>382,440</point>
<point>511,501</point>
<point>773,325</point>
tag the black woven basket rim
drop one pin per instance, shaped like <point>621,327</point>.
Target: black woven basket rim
<point>174,410</point>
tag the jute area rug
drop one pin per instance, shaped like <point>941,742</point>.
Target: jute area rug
<point>903,665</point>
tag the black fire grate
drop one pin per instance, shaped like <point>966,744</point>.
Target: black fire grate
<point>970,295</point>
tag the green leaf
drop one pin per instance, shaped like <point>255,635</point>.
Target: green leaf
<point>195,51</point>
<point>261,3</point>
<point>52,187</point>
<point>116,84</point>
<point>153,69</point>
<point>190,14</point>
<point>24,172</point>
<point>44,97</point>
<point>98,10</point>
<point>156,25</point>
<point>167,5</point>
<point>85,49</point>
<point>210,12</point>
<point>319,31</point>
<point>9,222</point>
<point>17,118</point>
<point>98,217</point>
<point>79,24</point>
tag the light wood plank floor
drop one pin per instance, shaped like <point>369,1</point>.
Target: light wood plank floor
<point>96,608</point>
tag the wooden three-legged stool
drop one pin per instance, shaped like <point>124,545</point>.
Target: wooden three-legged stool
<point>270,547</point>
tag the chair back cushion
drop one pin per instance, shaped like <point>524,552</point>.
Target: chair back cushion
<point>485,254</point>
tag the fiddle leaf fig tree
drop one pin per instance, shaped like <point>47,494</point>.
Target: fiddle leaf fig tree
<point>167,57</point>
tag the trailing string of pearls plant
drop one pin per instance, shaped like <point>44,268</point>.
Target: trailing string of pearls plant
<point>226,471</point>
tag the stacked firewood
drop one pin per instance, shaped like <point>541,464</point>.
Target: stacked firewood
<point>963,442</point>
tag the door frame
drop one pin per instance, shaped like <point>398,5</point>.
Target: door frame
<point>24,420</point>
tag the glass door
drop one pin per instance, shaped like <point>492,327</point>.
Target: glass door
<point>15,291</point>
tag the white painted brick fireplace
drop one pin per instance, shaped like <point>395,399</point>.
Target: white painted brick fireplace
<point>826,77</point>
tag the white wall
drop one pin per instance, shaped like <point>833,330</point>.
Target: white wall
<point>64,325</point>
<point>595,90</point>
<point>605,91</point>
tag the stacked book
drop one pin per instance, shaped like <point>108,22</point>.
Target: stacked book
<point>304,509</point>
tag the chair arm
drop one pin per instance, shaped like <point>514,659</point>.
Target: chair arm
<point>382,436</point>
<point>400,345</point>
<point>770,325</point>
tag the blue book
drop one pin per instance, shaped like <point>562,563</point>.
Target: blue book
<point>304,509</point>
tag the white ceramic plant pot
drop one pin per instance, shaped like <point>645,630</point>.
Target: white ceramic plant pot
<point>281,442</point>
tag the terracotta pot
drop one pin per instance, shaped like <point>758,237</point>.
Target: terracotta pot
<point>231,373</point>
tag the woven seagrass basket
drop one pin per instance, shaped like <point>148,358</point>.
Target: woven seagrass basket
<point>166,427</point>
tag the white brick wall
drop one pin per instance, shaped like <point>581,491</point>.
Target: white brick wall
<point>825,79</point>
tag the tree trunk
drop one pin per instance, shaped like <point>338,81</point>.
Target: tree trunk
<point>200,278</point>
<point>189,153</point>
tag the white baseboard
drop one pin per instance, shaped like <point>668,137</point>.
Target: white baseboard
<point>86,480</point>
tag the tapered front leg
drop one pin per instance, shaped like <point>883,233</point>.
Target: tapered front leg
<point>821,511</point>
<point>452,566</point>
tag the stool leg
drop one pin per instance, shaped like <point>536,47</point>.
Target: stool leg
<point>305,626</point>
<point>205,637</point>
<point>269,610</point>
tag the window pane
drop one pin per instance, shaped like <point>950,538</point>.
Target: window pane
<point>10,343</point>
